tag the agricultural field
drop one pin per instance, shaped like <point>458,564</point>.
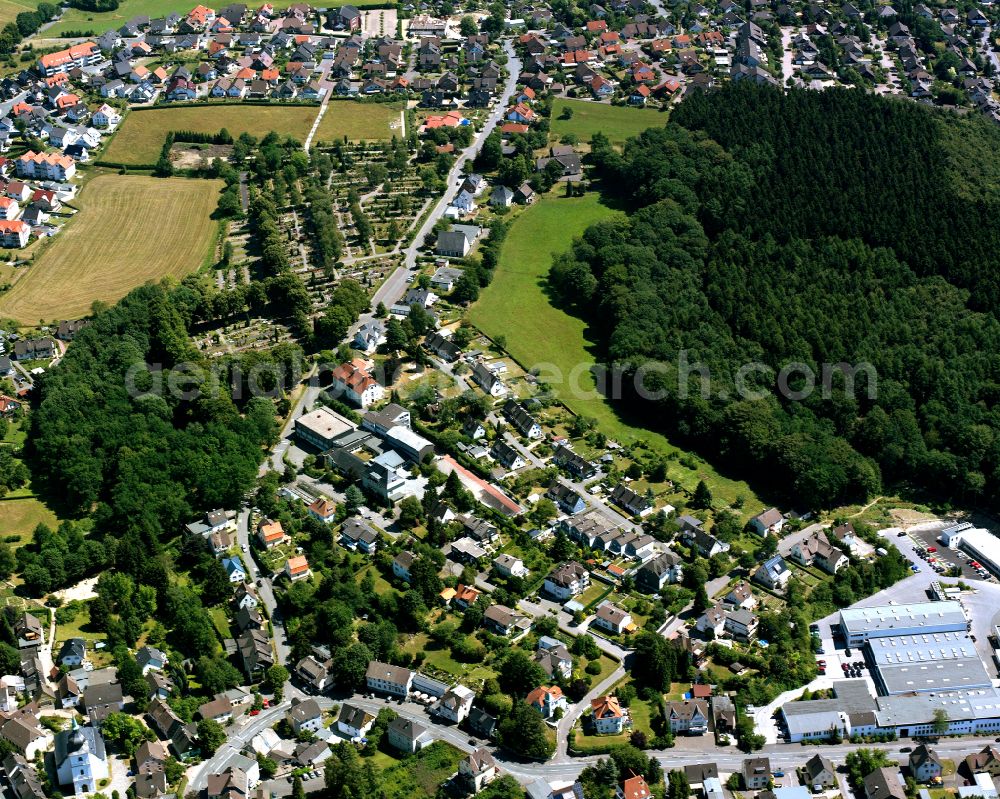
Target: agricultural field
<point>9,9</point>
<point>75,20</point>
<point>141,136</point>
<point>360,121</point>
<point>115,243</point>
<point>549,337</point>
<point>617,122</point>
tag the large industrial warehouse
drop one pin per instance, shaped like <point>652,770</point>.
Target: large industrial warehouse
<point>862,624</point>
<point>922,660</point>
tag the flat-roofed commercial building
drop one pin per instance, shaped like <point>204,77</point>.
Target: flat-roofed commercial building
<point>321,426</point>
<point>930,662</point>
<point>855,712</point>
<point>862,624</point>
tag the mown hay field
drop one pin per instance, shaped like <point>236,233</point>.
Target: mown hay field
<point>129,230</point>
<point>141,136</point>
<point>359,122</point>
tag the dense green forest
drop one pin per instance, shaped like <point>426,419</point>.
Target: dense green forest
<point>818,228</point>
<point>141,464</point>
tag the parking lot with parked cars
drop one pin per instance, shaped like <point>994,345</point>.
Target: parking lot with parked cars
<point>943,560</point>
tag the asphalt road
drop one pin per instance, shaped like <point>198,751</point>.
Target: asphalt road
<point>393,288</point>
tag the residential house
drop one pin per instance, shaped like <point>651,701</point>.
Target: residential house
<point>26,735</point>
<point>245,597</point>
<point>741,596</point>
<point>159,685</point>
<point>657,572</point>
<point>575,464</point>
<point>234,569</point>
<point>386,679</point>
<point>481,722</point>
<point>986,760</point>
<point>769,521</point>
<point>370,336</point>
<point>925,764</point>
<point>547,700</point>
<point>756,773</point>
<point>708,545</point>
<point>614,619</point>
<point>353,721</point>
<point>608,716</point>
<point>723,714</point>
<point>713,621</point>
<point>29,631</point>
<point>455,243</point>
<point>401,565</point>
<point>14,235</point>
<point>355,382</point>
<point>820,774</point>
<point>102,699</point>
<point>632,503</point>
<point>297,568</point>
<point>455,704</point>
<point>255,652</point>
<point>503,620</point>
<point>566,581</point>
<point>305,716</point>
<point>741,624</point>
<point>407,736</point>
<point>323,510</point>
<point>773,573</point>
<point>633,787</point>
<point>488,380</point>
<point>359,535</point>
<point>150,658</point>
<point>219,710</point>
<point>688,717</point>
<point>508,457</point>
<point>519,417</point>
<point>465,597</point>
<point>884,783</point>
<point>477,770</point>
<point>817,549</point>
<point>565,498</point>
<point>313,673</point>
<point>553,656</point>
<point>509,566</point>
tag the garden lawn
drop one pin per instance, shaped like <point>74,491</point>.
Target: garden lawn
<point>641,715</point>
<point>421,775</point>
<point>21,513</point>
<point>80,627</point>
<point>360,121</point>
<point>515,305</point>
<point>608,665</point>
<point>221,622</point>
<point>441,659</point>
<point>130,230</point>
<point>617,122</point>
<point>140,138</point>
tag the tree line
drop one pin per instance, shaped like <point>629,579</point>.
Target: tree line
<point>817,229</point>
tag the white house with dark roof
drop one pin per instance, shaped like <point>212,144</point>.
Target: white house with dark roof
<point>407,736</point>
<point>773,573</point>
<point>769,521</point>
<point>712,620</point>
<point>388,679</point>
<point>613,618</point>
